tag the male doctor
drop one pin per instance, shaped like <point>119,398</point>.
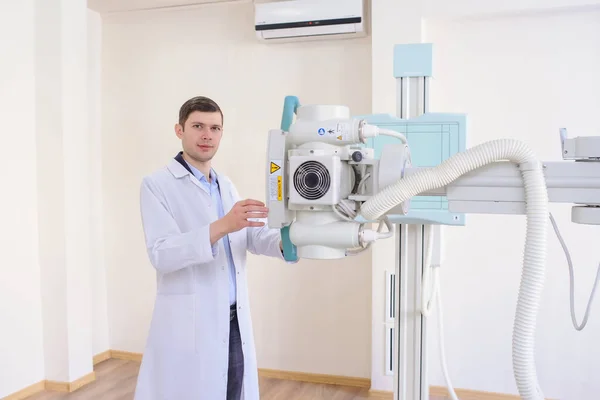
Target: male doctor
<point>197,230</point>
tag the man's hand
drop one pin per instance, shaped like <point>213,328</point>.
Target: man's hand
<point>238,218</point>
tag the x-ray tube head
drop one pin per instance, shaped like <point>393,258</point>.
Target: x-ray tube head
<point>319,173</point>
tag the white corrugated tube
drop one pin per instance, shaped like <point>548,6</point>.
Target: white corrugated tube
<point>532,277</point>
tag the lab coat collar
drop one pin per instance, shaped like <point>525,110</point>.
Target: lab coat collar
<point>180,168</point>
<point>179,158</point>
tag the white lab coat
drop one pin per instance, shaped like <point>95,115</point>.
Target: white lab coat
<point>186,353</point>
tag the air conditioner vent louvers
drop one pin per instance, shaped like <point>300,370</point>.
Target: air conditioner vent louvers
<point>312,180</point>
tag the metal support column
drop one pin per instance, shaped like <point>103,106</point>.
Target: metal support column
<point>410,378</point>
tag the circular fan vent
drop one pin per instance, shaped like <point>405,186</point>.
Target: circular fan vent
<point>312,180</point>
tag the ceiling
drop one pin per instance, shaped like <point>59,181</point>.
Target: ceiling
<point>106,6</point>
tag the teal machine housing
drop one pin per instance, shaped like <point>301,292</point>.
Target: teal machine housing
<point>432,137</point>
<point>290,105</point>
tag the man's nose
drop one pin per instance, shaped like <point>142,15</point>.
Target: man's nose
<point>206,134</point>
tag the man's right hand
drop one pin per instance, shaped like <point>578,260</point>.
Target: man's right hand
<point>238,218</point>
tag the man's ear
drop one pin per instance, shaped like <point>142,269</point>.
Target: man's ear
<point>178,130</point>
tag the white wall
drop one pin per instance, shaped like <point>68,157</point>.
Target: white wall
<point>21,349</point>
<point>314,316</point>
<point>100,326</point>
<point>45,294</point>
<point>520,77</point>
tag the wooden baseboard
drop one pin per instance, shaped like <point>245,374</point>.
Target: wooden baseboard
<point>105,355</point>
<point>27,392</point>
<point>69,387</point>
<point>315,378</point>
<point>381,395</point>
<point>465,394</point>
<point>126,355</point>
<point>52,386</point>
<point>117,355</point>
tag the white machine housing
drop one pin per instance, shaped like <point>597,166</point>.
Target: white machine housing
<point>302,20</point>
<point>320,166</point>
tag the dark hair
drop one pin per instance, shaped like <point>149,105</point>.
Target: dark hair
<point>198,103</point>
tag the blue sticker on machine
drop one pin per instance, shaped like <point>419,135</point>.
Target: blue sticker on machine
<point>321,131</point>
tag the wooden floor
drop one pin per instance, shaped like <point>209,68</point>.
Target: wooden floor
<point>115,380</point>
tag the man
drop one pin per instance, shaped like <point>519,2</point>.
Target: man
<point>197,231</point>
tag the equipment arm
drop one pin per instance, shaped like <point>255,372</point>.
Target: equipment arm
<point>498,189</point>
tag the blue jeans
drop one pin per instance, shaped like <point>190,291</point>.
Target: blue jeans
<point>235,378</point>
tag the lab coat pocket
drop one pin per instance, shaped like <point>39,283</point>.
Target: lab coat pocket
<point>173,323</point>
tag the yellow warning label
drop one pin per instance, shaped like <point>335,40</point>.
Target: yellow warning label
<point>279,188</point>
<point>339,137</point>
<point>274,167</point>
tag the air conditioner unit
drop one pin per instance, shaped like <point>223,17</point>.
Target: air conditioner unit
<point>297,20</point>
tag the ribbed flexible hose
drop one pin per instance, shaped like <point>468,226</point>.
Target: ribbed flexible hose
<point>536,198</point>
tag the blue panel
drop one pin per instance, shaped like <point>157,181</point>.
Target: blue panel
<point>411,60</point>
<point>290,251</point>
<point>432,138</point>
<point>290,106</point>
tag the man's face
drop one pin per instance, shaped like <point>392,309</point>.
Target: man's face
<point>201,135</point>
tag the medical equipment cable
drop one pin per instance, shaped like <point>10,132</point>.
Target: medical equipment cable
<point>362,183</point>
<point>368,131</point>
<point>533,271</point>
<point>391,133</point>
<point>442,350</point>
<point>431,268</point>
<point>572,281</point>
<point>344,211</point>
<point>370,236</point>
<point>427,287</point>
